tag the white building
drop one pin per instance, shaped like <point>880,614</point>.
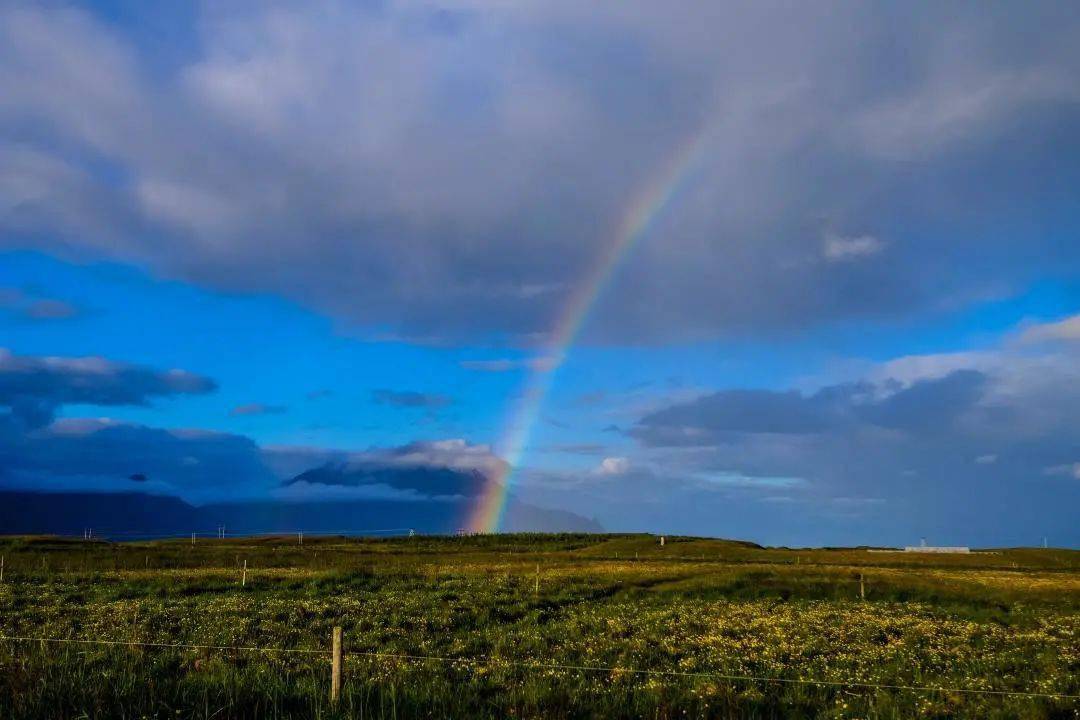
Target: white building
<point>933,549</point>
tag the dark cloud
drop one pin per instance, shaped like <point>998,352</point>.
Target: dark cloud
<point>37,452</point>
<point>257,409</point>
<point>409,399</point>
<point>535,364</point>
<point>51,310</point>
<point>925,406</point>
<point>32,387</point>
<point>99,455</point>
<point>36,307</point>
<point>712,417</point>
<point>593,398</point>
<point>930,405</point>
<point>40,453</point>
<point>425,481</point>
<point>966,447</point>
<point>448,468</point>
<point>848,158</point>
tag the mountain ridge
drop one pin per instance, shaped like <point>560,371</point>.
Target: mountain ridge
<point>134,514</point>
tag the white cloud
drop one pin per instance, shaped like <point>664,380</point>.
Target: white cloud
<point>741,480</point>
<point>912,368</point>
<point>837,248</point>
<point>613,466</point>
<point>956,102</point>
<point>1067,329</point>
<point>454,453</point>
<point>989,459</point>
<point>1072,469</point>
<point>857,501</point>
<point>188,206</point>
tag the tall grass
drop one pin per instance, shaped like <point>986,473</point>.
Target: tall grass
<point>999,622</point>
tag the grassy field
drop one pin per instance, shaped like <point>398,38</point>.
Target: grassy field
<point>546,626</point>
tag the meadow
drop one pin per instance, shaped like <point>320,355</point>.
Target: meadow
<point>534,626</point>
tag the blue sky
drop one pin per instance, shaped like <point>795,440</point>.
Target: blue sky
<point>357,226</point>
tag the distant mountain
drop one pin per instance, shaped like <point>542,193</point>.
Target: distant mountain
<point>360,516</point>
<point>440,497</point>
<point>521,517</point>
<point>27,513</point>
<point>131,515</point>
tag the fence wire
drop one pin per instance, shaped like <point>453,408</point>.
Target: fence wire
<point>535,665</point>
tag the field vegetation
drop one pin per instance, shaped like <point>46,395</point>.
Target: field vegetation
<point>524,626</point>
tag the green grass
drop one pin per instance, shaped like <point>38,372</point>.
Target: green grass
<point>1004,621</point>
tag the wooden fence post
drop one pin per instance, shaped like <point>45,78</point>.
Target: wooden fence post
<point>862,587</point>
<point>536,588</point>
<point>243,578</point>
<point>335,666</point>
<point>1,568</point>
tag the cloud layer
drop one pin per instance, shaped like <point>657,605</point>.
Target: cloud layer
<point>410,399</point>
<point>32,387</point>
<point>456,170</point>
<point>968,446</point>
<point>929,405</point>
<point>257,409</point>
<point>40,452</point>
<point>32,306</point>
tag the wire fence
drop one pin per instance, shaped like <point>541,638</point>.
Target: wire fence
<point>103,534</point>
<point>537,665</point>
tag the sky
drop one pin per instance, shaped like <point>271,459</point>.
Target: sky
<point>794,273</point>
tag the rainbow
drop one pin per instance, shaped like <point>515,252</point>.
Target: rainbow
<point>486,515</point>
